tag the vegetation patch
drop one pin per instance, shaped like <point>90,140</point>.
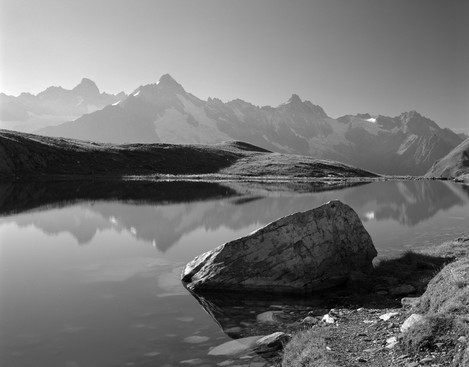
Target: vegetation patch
<point>309,348</point>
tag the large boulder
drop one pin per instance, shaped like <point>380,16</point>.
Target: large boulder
<point>302,252</point>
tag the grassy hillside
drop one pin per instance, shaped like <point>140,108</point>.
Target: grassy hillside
<point>34,157</point>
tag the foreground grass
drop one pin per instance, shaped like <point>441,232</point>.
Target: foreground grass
<point>441,277</point>
<point>308,348</point>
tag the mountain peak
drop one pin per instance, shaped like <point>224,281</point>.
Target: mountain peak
<point>86,87</point>
<point>295,98</point>
<point>167,82</point>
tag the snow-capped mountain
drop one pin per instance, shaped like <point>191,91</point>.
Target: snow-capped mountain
<point>165,112</point>
<point>53,106</point>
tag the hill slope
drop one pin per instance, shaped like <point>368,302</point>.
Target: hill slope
<point>165,112</point>
<point>30,156</point>
<point>454,164</point>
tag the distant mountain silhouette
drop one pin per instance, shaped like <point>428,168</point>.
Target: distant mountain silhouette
<point>165,112</point>
<point>55,105</point>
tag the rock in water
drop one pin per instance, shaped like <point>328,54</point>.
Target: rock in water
<point>302,252</point>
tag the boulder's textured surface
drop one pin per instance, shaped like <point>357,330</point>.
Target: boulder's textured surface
<point>301,252</point>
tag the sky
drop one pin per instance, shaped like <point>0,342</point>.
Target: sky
<point>348,56</point>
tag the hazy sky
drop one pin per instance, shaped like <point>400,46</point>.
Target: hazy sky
<point>349,56</point>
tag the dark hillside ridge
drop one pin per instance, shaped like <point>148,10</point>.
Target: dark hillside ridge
<point>34,157</point>
<point>454,165</point>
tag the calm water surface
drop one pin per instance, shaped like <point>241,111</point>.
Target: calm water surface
<point>96,283</point>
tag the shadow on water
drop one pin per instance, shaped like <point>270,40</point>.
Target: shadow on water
<point>18,197</point>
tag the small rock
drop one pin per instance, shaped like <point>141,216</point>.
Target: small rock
<point>388,315</point>
<point>361,360</point>
<point>412,364</point>
<point>411,321</point>
<point>225,363</point>
<point>462,339</point>
<point>193,362</point>
<point>403,290</point>
<point>391,342</point>
<point>328,319</point>
<point>410,302</point>
<point>310,320</point>
<point>273,341</point>
<point>235,347</point>
<point>267,317</point>
<point>360,309</point>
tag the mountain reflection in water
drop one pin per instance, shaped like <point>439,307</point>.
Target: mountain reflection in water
<point>119,300</point>
<point>161,214</point>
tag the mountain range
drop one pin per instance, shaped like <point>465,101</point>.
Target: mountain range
<point>407,144</point>
<point>55,105</point>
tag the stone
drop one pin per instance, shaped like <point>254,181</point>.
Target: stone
<point>267,317</point>
<point>235,347</point>
<point>328,319</point>
<point>391,342</point>
<point>299,253</point>
<point>310,320</point>
<point>412,320</point>
<point>192,362</point>
<point>403,290</point>
<point>388,315</point>
<point>273,341</point>
<point>410,302</point>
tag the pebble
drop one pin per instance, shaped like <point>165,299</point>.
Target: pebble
<point>388,315</point>
<point>391,342</point>
<point>328,319</point>
<point>412,364</point>
<point>193,362</point>
<point>225,363</point>
<point>310,320</point>
<point>426,360</point>
<point>267,317</point>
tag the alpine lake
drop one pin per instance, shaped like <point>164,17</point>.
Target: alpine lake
<point>90,272</point>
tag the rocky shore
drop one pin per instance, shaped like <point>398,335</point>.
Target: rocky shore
<point>408,312</point>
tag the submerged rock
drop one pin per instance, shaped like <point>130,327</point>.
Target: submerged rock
<point>302,252</point>
<point>235,347</point>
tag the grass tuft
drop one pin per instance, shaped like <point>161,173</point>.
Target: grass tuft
<point>308,349</point>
